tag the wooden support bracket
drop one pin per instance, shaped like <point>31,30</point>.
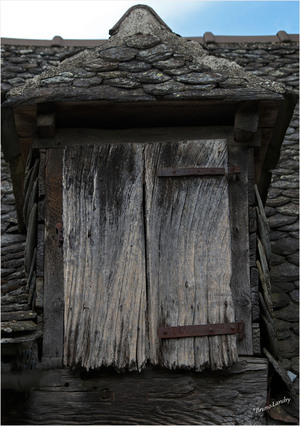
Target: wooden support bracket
<point>246,122</point>
<point>46,125</point>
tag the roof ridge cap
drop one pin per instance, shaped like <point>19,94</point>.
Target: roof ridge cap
<point>114,30</point>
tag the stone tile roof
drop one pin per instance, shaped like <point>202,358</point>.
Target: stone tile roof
<point>270,58</point>
<point>134,65</point>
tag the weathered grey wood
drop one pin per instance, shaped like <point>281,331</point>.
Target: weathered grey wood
<point>39,301</point>
<point>252,249</point>
<point>28,187</point>
<point>30,170</point>
<point>41,211</point>
<point>69,137</point>
<point>31,200</point>
<point>9,136</point>
<point>31,238</point>
<point>264,264</point>
<point>104,257</point>
<point>251,183</point>
<point>16,166</point>
<point>263,225</point>
<point>32,269</point>
<point>240,283</point>
<point>41,179</point>
<point>152,397</point>
<point>29,163</point>
<point>266,293</point>
<point>25,119</point>
<point>40,250</point>
<point>256,339</point>
<point>246,121</point>
<point>268,328</point>
<point>25,145</point>
<point>254,276</point>
<point>45,125</point>
<point>32,288</point>
<point>188,254</point>
<point>252,219</point>
<point>280,370</point>
<point>53,273</point>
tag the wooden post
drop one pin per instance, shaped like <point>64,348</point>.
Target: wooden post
<point>240,285</point>
<point>246,122</point>
<point>53,255</point>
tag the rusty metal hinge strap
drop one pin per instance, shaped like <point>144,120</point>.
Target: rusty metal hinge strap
<point>202,330</point>
<point>199,171</point>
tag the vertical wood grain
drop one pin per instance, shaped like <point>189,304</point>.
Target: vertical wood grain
<point>104,257</point>
<point>188,254</point>
<point>239,222</point>
<point>53,258</point>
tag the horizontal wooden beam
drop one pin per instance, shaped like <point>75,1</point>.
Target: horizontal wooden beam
<point>82,136</point>
<point>153,396</point>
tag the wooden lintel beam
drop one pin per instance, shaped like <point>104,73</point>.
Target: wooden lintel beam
<point>25,120</point>
<point>246,122</point>
<point>46,125</point>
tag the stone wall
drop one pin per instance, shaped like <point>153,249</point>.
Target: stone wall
<point>274,60</point>
<point>13,283</point>
<point>280,62</point>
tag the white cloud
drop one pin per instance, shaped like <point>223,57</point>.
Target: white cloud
<point>79,19</point>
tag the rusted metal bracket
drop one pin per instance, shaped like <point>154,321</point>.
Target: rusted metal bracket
<point>202,330</point>
<point>59,233</point>
<point>199,171</point>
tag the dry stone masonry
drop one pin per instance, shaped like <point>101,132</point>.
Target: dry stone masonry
<point>279,61</point>
<point>146,69</point>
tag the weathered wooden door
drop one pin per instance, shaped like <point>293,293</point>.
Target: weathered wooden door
<point>143,251</point>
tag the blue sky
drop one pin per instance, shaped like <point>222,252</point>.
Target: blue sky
<point>43,19</point>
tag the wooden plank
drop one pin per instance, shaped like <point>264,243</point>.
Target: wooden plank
<point>41,179</point>
<point>25,146</point>
<point>256,339</point>
<point>152,397</point>
<point>254,278</point>
<point>251,178</point>
<point>246,121</point>
<point>30,246</point>
<point>104,257</point>
<point>17,172</point>
<point>39,301</point>
<point>264,264</point>
<point>263,225</point>
<point>40,250</point>
<point>269,333</point>
<point>46,125</point>
<point>188,254</point>
<point>53,273</point>
<point>281,371</point>
<point>25,120</point>
<point>9,135</point>
<point>30,181</point>
<point>240,283</point>
<point>78,136</point>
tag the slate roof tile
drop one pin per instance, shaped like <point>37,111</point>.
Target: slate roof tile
<point>146,52</point>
